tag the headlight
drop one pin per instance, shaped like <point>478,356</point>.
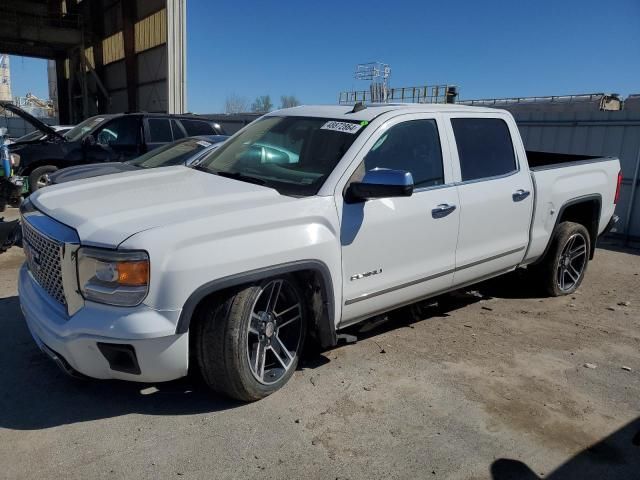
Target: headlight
<point>15,159</point>
<point>112,277</point>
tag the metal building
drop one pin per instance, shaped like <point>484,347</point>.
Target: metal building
<point>110,55</point>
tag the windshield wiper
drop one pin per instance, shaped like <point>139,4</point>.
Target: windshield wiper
<point>239,176</point>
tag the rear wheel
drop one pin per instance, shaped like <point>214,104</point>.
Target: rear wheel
<point>248,342</point>
<point>564,266</point>
<point>38,178</point>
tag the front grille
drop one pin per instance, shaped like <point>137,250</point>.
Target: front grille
<point>43,258</point>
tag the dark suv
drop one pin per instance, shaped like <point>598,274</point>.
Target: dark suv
<point>103,138</point>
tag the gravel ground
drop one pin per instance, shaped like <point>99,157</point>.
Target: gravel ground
<point>490,383</point>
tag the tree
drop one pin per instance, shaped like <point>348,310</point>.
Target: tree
<point>262,104</point>
<point>236,104</point>
<point>288,101</point>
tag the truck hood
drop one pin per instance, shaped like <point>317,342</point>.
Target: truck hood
<point>107,210</point>
<point>37,124</point>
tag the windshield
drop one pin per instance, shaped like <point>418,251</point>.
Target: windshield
<point>80,130</point>
<point>176,153</point>
<point>294,155</point>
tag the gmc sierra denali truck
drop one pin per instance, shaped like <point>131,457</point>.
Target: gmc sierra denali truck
<point>306,221</point>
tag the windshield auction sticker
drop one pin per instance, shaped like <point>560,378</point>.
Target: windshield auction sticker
<point>344,127</point>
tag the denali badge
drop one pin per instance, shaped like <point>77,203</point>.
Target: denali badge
<point>358,276</point>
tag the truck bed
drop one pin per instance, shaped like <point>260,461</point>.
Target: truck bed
<point>544,160</point>
<point>560,179</point>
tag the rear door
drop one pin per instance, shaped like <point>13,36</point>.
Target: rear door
<point>395,250</point>
<point>496,195</point>
<point>157,131</point>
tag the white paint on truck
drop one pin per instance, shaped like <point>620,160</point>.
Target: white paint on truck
<point>200,229</point>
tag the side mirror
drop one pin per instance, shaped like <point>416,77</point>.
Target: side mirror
<point>380,183</point>
<point>89,141</point>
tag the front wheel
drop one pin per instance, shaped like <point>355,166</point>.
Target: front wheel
<point>565,264</point>
<point>248,342</point>
<point>40,177</point>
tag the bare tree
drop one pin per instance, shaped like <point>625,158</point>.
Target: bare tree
<point>262,104</point>
<point>236,104</point>
<point>288,101</point>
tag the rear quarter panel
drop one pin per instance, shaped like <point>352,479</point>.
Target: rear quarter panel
<point>556,186</point>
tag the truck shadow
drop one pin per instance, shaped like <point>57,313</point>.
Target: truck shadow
<point>617,244</point>
<point>511,285</point>
<point>616,456</point>
<point>35,394</point>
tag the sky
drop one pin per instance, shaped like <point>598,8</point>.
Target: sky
<point>489,48</point>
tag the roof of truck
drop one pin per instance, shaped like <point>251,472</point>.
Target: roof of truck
<point>373,110</point>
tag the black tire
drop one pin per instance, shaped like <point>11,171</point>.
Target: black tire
<point>36,175</point>
<point>226,338</point>
<point>549,271</point>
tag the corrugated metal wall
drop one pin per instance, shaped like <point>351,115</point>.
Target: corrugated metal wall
<point>137,50</point>
<point>591,133</point>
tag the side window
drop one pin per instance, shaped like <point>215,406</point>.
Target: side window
<point>123,131</point>
<point>413,146</point>
<point>159,130</point>
<point>197,127</point>
<point>485,147</point>
<point>177,131</point>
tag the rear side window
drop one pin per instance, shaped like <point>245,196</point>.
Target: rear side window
<point>159,130</point>
<point>485,147</point>
<point>412,146</point>
<point>177,131</point>
<point>197,127</point>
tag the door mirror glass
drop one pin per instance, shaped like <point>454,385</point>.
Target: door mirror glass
<point>380,183</point>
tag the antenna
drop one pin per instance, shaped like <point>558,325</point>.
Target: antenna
<point>378,73</point>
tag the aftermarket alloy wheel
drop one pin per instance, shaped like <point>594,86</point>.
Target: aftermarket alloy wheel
<point>572,262</point>
<point>249,341</point>
<point>563,268</point>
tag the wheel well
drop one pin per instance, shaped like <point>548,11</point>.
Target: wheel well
<point>585,212</point>
<point>315,284</point>
<point>41,163</point>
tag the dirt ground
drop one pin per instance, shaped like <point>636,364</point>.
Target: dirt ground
<point>491,383</point>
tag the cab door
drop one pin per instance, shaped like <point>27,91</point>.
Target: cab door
<point>396,250</point>
<point>496,195</point>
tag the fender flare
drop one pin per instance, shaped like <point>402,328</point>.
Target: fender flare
<point>326,326</point>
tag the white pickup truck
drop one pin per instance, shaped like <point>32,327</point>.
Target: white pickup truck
<point>308,220</point>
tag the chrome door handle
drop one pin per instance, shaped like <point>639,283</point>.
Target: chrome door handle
<point>520,195</point>
<point>442,210</point>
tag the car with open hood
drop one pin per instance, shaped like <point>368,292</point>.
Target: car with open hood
<point>101,138</point>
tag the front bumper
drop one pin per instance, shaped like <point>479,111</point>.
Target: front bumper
<point>160,354</point>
